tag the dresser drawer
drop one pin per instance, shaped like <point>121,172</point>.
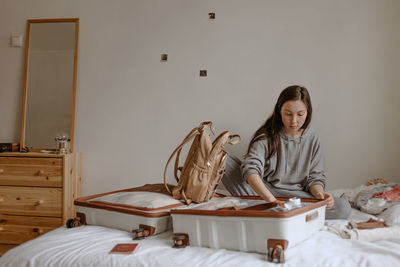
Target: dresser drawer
<point>18,229</point>
<point>31,201</point>
<point>31,171</point>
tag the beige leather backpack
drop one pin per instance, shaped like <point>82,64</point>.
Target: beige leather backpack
<point>204,165</point>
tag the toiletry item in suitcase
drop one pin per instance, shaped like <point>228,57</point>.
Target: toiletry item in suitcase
<point>143,210</point>
<point>252,225</point>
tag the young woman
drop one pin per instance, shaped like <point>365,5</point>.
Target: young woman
<point>285,157</point>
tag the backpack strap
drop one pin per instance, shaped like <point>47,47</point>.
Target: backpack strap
<point>234,142</point>
<point>191,135</point>
<point>177,151</point>
<point>221,140</point>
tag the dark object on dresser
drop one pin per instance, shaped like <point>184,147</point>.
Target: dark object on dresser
<point>9,147</point>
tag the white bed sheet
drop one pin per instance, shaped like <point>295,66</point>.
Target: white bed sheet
<point>88,246</point>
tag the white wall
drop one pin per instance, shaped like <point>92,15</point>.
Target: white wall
<point>132,109</point>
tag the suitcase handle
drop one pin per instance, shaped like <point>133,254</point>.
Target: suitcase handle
<point>312,216</point>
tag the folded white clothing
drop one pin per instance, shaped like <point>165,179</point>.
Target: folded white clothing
<point>364,234</point>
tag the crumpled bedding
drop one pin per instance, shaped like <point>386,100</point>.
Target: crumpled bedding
<point>371,198</point>
<point>88,246</point>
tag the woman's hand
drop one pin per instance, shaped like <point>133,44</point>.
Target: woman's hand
<point>330,199</point>
<point>318,192</point>
<point>279,203</point>
<point>259,187</point>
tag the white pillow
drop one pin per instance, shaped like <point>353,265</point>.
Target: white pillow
<point>139,199</point>
<point>391,215</point>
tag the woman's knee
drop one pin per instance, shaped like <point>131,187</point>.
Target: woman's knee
<point>340,210</point>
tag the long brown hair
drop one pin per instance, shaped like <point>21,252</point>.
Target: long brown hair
<point>271,128</point>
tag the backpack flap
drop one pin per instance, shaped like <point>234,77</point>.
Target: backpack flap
<point>219,156</point>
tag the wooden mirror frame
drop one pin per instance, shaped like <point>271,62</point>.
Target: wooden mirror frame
<point>23,147</point>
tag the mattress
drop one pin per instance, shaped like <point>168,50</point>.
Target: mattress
<point>89,246</point>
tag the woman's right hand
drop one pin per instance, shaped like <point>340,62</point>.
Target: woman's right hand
<point>259,187</point>
<point>279,203</point>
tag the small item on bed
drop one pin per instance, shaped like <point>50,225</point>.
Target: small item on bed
<point>124,248</point>
<point>370,224</point>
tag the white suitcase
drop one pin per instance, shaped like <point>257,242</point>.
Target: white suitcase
<point>143,210</point>
<point>249,226</point>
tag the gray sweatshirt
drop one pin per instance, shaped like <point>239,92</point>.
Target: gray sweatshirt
<point>300,163</point>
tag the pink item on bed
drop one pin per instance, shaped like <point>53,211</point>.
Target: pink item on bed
<point>391,195</point>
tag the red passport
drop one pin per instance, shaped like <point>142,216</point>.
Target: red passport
<point>126,248</point>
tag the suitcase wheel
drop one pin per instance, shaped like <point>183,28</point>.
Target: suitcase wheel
<point>138,234</point>
<point>270,252</point>
<point>143,231</point>
<point>73,222</point>
<point>180,240</point>
<point>277,253</point>
<point>280,255</point>
<point>82,217</point>
<point>276,249</point>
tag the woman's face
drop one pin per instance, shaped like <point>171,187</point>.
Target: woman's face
<point>294,114</point>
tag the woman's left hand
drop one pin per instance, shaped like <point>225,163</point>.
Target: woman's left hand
<point>318,192</point>
<point>330,199</point>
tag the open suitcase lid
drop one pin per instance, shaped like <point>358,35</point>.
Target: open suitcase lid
<point>150,200</point>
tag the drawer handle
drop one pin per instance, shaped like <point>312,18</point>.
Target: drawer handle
<point>37,230</point>
<point>39,202</point>
<point>1,199</point>
<point>40,172</point>
<point>1,171</point>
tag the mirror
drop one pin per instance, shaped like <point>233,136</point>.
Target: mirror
<point>48,108</point>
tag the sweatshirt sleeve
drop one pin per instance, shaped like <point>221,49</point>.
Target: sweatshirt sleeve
<point>317,167</point>
<point>254,160</point>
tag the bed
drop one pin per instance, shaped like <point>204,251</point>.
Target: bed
<point>90,246</point>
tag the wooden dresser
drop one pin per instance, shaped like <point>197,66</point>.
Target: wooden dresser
<point>37,192</point>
